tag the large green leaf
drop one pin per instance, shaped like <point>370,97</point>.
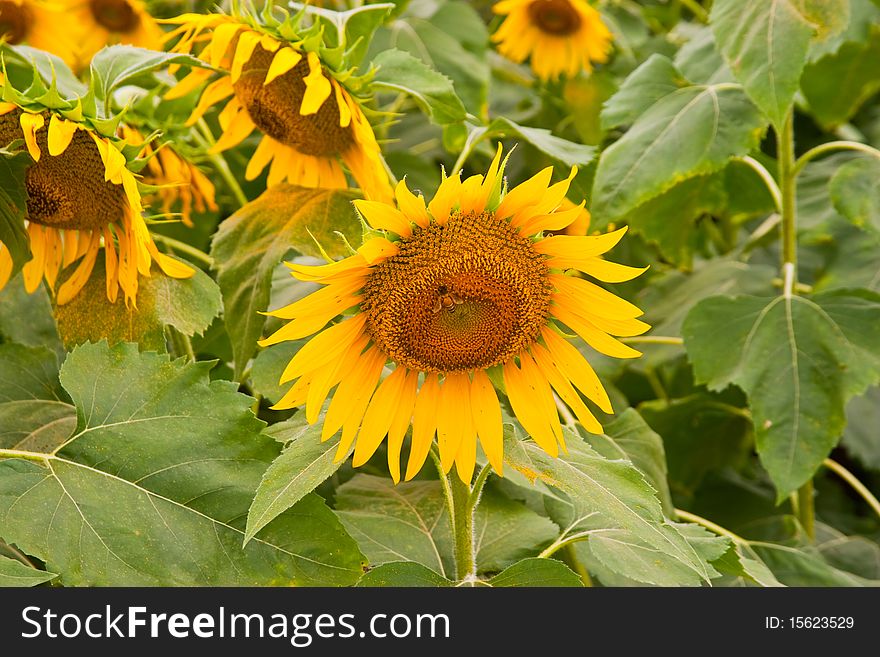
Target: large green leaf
<point>567,152</point>
<point>692,131</point>
<point>251,243</point>
<point>537,573</point>
<point>862,420</point>
<point>402,573</point>
<point>401,72</point>
<point>154,485</point>
<point>15,574</point>
<point>603,495</point>
<point>304,464</point>
<point>766,42</point>
<point>13,206</point>
<point>799,360</point>
<point>27,318</point>
<point>187,304</point>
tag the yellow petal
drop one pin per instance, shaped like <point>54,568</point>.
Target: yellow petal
<point>344,109</point>
<point>522,400</point>
<point>424,423</point>
<point>454,417</point>
<point>284,60</point>
<point>5,263</point>
<point>326,346</point>
<point>445,199</point>
<point>525,194</point>
<point>564,389</point>
<point>382,216</point>
<point>377,419</point>
<point>239,127</point>
<point>486,413</point>
<point>609,272</point>
<point>80,277</point>
<point>317,87</point>
<point>411,205</point>
<point>60,134</point>
<point>577,292</point>
<point>598,340</point>
<point>376,249</point>
<point>576,249</point>
<point>221,38</point>
<point>243,51</point>
<point>30,123</point>
<point>32,272</point>
<point>400,422</point>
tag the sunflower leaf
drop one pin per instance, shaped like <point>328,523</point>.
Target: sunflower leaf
<point>798,359</point>
<point>567,152</point>
<point>165,505</point>
<point>766,44</point>
<point>13,206</point>
<point>116,66</point>
<point>284,217</point>
<point>403,573</point>
<point>536,572</point>
<point>693,131</point>
<point>401,72</point>
<point>603,495</point>
<point>13,573</point>
<point>655,78</point>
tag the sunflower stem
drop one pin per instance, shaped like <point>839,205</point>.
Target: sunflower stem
<point>463,529</point>
<point>21,454</point>
<point>206,140</point>
<point>569,556</point>
<point>652,339</point>
<point>830,147</point>
<point>183,247</point>
<point>182,344</point>
<point>788,169</point>
<point>696,9</point>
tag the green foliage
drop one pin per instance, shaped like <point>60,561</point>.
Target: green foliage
<point>13,200</point>
<point>15,574</point>
<point>285,217</point>
<point>798,359</point>
<point>855,192</point>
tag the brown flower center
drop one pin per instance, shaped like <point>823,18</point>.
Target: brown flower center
<point>274,108</point>
<point>67,190</point>
<point>466,295</point>
<point>115,15</point>
<point>556,17</point>
<point>15,21</point>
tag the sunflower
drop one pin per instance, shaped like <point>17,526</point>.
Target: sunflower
<point>176,178</point>
<point>561,36</point>
<point>100,23</point>
<point>80,194</point>
<point>279,86</point>
<point>461,291</point>
<point>37,24</point>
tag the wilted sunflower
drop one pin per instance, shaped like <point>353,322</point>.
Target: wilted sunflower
<point>176,178</point>
<point>281,87</point>
<point>561,36</point>
<point>80,194</point>
<point>100,23</point>
<point>463,287</point>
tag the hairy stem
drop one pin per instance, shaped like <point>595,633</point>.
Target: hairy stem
<point>463,529</point>
<point>830,147</point>
<point>853,481</point>
<point>206,140</point>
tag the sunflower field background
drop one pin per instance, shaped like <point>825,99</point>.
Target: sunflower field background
<point>317,294</point>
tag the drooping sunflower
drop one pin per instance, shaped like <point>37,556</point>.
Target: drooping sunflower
<point>100,23</point>
<point>277,83</point>
<point>81,196</point>
<point>175,177</point>
<point>463,290</point>
<point>38,24</point>
<point>560,36</point>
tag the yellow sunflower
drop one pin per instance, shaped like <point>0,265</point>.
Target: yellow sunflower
<point>177,178</point>
<point>81,195</point>
<point>561,36</point>
<point>279,86</point>
<point>37,24</point>
<point>99,23</point>
<point>464,290</point>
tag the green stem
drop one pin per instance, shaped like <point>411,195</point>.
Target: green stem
<point>477,488</point>
<point>853,481</point>
<point>767,178</point>
<point>711,526</point>
<point>207,141</point>
<point>807,509</point>
<point>787,172</point>
<point>569,556</point>
<point>463,529</point>
<point>185,248</point>
<point>830,147</point>
<point>182,344</point>
<point>473,138</point>
<point>21,454</point>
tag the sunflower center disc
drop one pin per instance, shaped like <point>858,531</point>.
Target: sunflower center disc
<point>555,17</point>
<point>68,190</point>
<point>274,108</point>
<point>115,15</point>
<point>14,21</point>
<point>466,295</point>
